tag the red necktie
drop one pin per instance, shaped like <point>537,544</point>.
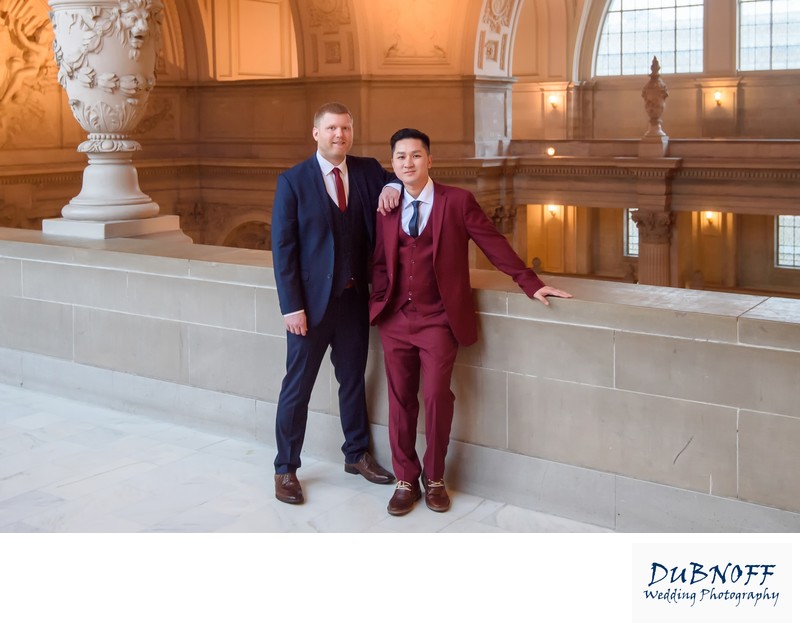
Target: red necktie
<point>340,189</point>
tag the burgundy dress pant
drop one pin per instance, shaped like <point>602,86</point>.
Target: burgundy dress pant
<point>412,343</point>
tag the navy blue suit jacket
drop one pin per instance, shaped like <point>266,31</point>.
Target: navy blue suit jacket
<point>302,232</point>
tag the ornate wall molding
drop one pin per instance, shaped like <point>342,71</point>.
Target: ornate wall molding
<point>503,217</point>
<point>25,57</point>
<point>417,32</point>
<point>329,15</point>
<point>495,33</point>
<point>497,14</point>
<point>777,173</point>
<point>329,36</point>
<point>655,226</point>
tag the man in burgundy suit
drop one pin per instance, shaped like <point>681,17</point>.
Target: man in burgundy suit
<point>422,303</point>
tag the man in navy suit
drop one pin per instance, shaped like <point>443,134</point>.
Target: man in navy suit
<point>323,234</point>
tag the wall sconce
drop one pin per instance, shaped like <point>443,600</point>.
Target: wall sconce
<point>553,100</point>
<point>718,98</point>
<point>551,151</point>
<point>710,222</point>
<point>553,210</point>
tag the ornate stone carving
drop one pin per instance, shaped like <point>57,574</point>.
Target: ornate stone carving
<point>25,47</point>
<point>655,226</point>
<point>415,30</point>
<point>329,14</point>
<point>333,53</point>
<point>497,14</point>
<point>106,52</point>
<point>492,49</point>
<point>503,218</point>
<point>159,110</point>
<point>12,216</point>
<point>655,95</point>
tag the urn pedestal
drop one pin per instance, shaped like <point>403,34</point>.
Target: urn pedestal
<point>106,52</point>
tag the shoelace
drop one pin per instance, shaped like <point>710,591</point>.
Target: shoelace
<point>433,484</point>
<point>402,484</point>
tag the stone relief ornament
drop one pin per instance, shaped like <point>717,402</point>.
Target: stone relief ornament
<point>415,29</point>
<point>106,52</point>
<point>655,226</point>
<point>503,218</point>
<point>329,14</point>
<point>25,47</point>
<point>498,14</point>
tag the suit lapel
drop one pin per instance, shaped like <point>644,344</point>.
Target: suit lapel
<point>437,215</point>
<point>359,197</point>
<point>318,183</point>
<point>391,236</point>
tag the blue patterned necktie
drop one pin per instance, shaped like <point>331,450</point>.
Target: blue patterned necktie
<point>413,225</point>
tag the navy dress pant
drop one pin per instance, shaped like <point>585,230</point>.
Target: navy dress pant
<point>345,329</point>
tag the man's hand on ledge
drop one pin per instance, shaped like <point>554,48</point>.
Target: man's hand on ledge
<point>545,291</point>
<point>388,200</point>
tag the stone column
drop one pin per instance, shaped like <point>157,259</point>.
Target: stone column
<point>655,234</point>
<point>106,52</point>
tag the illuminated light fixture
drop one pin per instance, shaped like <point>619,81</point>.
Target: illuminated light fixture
<point>551,151</point>
<point>709,217</point>
<point>552,209</point>
<point>553,100</point>
<point>718,98</point>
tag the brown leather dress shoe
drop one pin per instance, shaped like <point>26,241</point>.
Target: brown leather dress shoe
<point>370,469</point>
<point>436,497</point>
<point>405,494</point>
<point>288,489</point>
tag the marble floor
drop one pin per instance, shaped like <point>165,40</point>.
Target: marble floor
<point>67,466</point>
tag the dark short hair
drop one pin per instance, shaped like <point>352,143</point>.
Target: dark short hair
<point>331,108</point>
<point>407,132</point>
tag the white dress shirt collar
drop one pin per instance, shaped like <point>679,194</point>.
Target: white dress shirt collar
<point>327,167</point>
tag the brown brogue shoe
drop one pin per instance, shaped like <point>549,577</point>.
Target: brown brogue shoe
<point>370,469</point>
<point>436,497</point>
<point>405,494</point>
<point>288,489</point>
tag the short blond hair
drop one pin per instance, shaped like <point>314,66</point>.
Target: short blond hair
<point>331,108</point>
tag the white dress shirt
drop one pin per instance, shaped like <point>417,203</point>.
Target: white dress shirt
<point>330,178</point>
<point>425,207</point>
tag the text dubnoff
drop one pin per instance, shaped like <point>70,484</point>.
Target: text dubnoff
<point>741,584</point>
<point>713,582</point>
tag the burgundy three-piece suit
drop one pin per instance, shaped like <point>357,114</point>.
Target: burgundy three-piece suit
<point>422,303</point>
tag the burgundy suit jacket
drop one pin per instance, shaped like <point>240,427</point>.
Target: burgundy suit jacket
<point>456,218</point>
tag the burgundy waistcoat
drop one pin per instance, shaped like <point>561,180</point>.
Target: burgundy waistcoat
<point>415,286</point>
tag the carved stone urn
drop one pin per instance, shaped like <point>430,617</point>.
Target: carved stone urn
<point>106,52</point>
<point>655,96</point>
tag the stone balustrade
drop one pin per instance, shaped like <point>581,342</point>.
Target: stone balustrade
<point>637,408</point>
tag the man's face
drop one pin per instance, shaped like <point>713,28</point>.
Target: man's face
<point>334,136</point>
<point>411,162</point>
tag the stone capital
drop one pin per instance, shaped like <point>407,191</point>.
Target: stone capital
<point>655,226</point>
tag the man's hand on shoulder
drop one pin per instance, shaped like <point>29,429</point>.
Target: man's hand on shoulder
<point>545,291</point>
<point>388,200</point>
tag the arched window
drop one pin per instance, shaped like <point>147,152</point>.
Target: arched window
<point>769,34</point>
<point>636,30</point>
